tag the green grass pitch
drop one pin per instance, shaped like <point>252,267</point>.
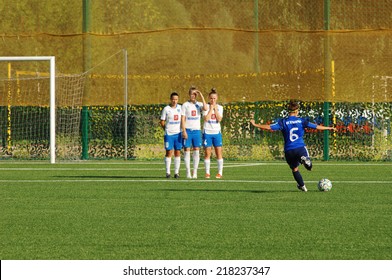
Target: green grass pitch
<point>129,211</point>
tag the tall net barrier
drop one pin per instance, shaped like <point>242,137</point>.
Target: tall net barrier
<point>108,131</point>
<point>257,53</point>
<point>25,114</point>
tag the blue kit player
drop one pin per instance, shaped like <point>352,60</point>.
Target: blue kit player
<point>293,130</point>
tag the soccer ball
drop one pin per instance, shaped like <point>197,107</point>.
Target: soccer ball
<point>324,185</point>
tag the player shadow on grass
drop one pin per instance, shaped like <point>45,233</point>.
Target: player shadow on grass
<point>111,177</point>
<point>228,191</point>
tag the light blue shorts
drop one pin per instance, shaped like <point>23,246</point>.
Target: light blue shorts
<point>173,142</point>
<point>212,140</point>
<point>194,139</point>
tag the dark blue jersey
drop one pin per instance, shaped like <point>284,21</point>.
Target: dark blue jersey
<point>293,129</point>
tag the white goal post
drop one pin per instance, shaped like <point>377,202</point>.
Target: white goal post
<point>52,104</point>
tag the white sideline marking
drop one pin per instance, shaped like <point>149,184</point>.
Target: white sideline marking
<point>107,169</point>
<point>182,181</point>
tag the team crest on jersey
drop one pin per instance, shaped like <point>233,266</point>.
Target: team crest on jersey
<point>193,113</point>
<point>176,117</point>
<point>213,116</point>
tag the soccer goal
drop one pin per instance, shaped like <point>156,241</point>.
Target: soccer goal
<point>39,109</point>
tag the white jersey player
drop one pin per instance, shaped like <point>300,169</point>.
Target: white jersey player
<point>171,123</point>
<point>191,112</point>
<point>212,135</point>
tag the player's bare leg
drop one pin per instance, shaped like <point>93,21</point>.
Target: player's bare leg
<point>219,158</point>
<point>207,161</point>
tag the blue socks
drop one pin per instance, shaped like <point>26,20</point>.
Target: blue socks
<point>298,178</point>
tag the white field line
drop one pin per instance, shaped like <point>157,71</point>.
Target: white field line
<point>171,181</point>
<point>130,168</point>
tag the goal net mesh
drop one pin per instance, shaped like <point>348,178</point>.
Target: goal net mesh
<point>25,114</point>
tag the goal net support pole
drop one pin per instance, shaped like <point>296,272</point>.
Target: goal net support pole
<point>52,105</point>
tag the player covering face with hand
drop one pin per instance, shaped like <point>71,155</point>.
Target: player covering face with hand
<point>191,132</point>
<point>212,135</point>
<point>293,130</point>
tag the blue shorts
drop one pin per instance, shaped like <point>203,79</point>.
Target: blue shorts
<point>293,157</point>
<point>194,139</point>
<point>212,140</point>
<point>173,142</point>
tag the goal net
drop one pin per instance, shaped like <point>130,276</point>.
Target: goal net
<point>39,111</point>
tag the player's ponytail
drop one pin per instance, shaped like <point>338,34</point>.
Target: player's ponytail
<point>213,91</point>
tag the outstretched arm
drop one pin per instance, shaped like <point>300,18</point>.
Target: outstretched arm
<point>320,127</point>
<point>262,126</point>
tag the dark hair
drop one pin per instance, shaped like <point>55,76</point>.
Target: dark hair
<point>292,106</point>
<point>173,94</point>
<point>213,91</point>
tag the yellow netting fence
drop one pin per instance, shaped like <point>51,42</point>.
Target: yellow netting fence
<point>249,49</point>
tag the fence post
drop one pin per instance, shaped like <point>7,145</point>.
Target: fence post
<point>86,67</point>
<point>125,104</point>
<point>327,76</point>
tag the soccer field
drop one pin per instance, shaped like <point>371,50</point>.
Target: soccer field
<point>128,210</point>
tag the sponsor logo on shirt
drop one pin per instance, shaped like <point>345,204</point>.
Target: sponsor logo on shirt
<point>293,122</point>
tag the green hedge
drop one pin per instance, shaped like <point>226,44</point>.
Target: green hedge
<point>364,131</point>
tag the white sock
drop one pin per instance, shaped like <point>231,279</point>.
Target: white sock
<point>196,160</point>
<point>187,161</point>
<point>220,166</point>
<point>167,164</point>
<point>177,163</point>
<point>207,164</point>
